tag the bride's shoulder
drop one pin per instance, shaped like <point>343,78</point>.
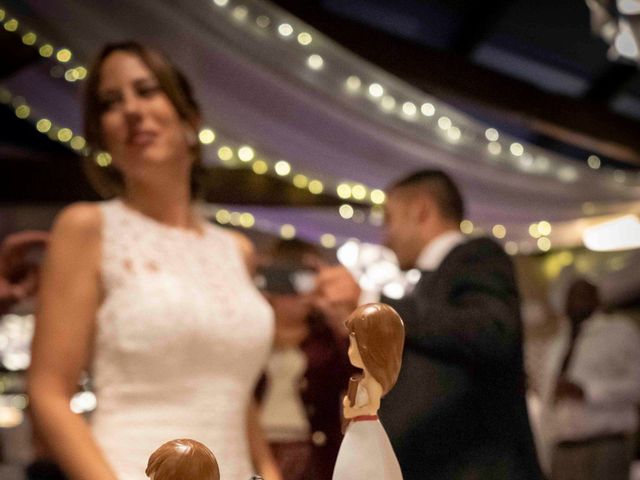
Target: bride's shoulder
<point>81,219</point>
<point>246,248</point>
<point>75,236</point>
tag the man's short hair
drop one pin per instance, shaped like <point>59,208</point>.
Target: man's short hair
<point>440,187</point>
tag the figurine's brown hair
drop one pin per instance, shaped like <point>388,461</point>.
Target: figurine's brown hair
<point>379,333</point>
<point>183,459</point>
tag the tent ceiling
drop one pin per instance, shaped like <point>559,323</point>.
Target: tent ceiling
<point>257,89</point>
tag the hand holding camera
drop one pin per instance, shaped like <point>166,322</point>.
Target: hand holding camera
<point>298,269</point>
<point>336,295</point>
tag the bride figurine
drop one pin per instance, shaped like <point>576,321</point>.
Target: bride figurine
<point>376,340</point>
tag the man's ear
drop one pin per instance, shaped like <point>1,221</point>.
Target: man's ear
<point>422,209</point>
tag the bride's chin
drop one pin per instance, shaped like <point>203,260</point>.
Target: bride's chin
<point>148,168</point>
<point>148,158</point>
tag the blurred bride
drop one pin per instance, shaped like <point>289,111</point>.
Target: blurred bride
<point>141,291</point>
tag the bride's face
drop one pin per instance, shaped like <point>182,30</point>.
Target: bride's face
<point>140,127</point>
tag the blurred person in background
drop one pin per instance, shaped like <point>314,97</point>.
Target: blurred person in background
<point>620,292</point>
<point>20,255</point>
<point>145,294</point>
<point>303,383</point>
<point>592,393</point>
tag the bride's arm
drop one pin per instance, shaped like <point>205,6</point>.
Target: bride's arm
<point>260,452</point>
<point>247,249</point>
<point>68,300</point>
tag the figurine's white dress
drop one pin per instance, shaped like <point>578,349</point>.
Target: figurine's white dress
<point>182,335</point>
<point>365,452</point>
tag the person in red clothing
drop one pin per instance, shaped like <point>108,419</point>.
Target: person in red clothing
<point>304,381</point>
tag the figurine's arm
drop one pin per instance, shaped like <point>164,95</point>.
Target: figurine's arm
<point>260,452</point>
<point>374,392</point>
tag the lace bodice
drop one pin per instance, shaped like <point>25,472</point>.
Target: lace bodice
<point>182,335</point>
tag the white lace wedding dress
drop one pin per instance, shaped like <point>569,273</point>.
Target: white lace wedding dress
<point>182,335</point>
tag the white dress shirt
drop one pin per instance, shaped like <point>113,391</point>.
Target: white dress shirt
<point>437,249</point>
<point>605,363</point>
<point>430,258</point>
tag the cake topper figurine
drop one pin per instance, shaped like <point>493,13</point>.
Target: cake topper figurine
<point>182,459</point>
<point>376,340</point>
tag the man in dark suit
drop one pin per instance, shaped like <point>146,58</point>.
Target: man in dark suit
<point>458,409</point>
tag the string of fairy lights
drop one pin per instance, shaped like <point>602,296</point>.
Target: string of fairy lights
<point>238,155</point>
<point>402,102</point>
<point>65,136</point>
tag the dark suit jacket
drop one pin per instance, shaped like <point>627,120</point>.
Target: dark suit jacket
<point>458,409</point>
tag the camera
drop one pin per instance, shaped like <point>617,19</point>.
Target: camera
<point>285,279</point>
